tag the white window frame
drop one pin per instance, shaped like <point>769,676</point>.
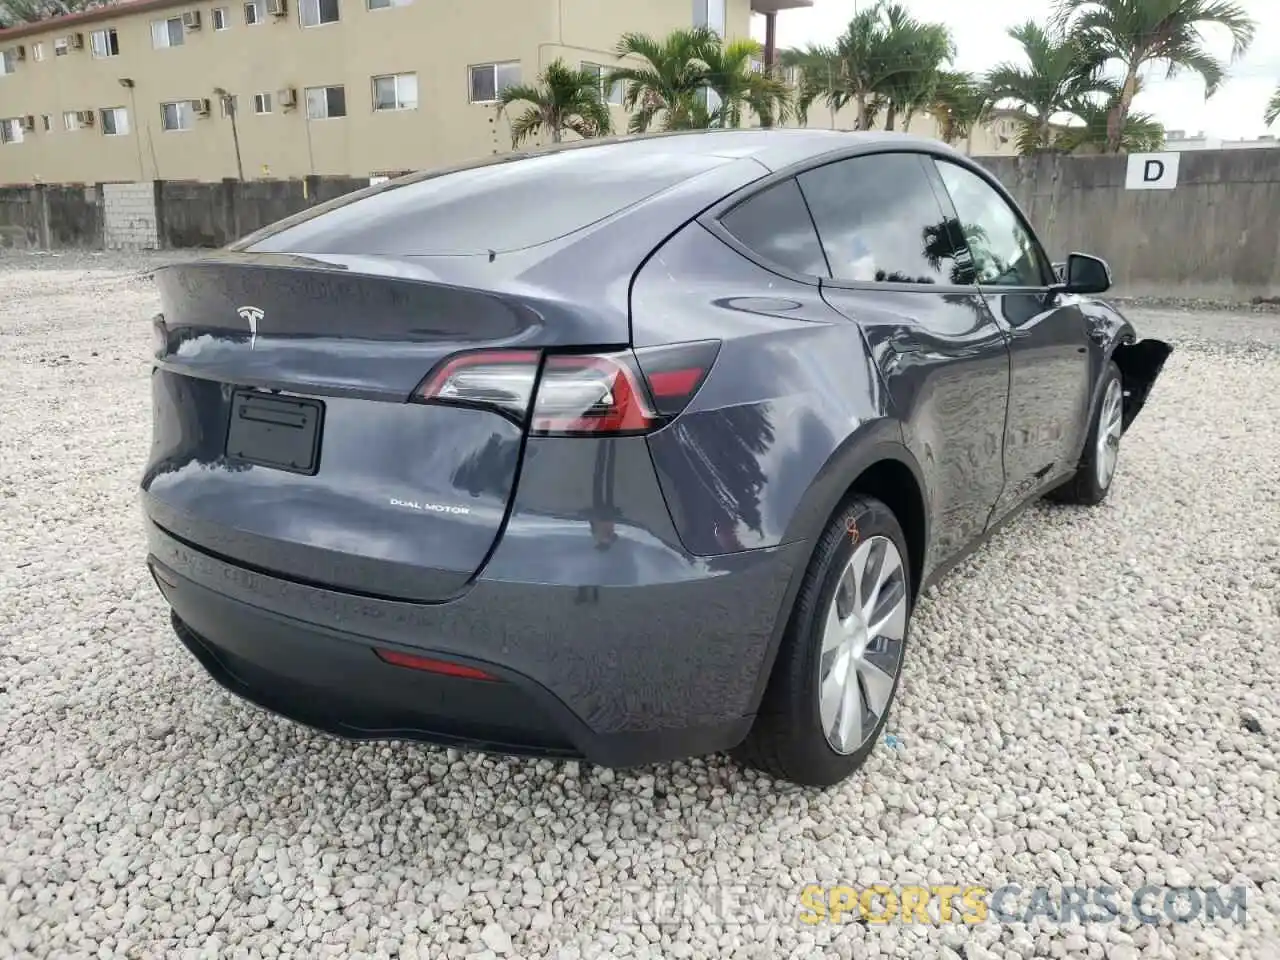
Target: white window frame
<point>105,35</point>
<point>261,104</point>
<point>235,106</point>
<point>256,7</point>
<point>184,111</point>
<point>712,14</point>
<point>121,129</point>
<point>167,23</point>
<point>616,93</point>
<point>386,4</point>
<point>8,64</point>
<point>498,87</point>
<point>306,99</point>
<point>304,6</point>
<point>37,51</point>
<point>61,47</point>
<point>11,130</point>
<point>70,122</point>
<point>223,15</point>
<point>396,80</point>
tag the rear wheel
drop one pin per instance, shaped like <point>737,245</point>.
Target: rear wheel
<point>1097,468</point>
<point>837,672</point>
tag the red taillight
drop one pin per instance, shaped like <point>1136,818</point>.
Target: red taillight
<point>427,664</point>
<point>502,380</point>
<point>580,394</point>
<point>592,394</point>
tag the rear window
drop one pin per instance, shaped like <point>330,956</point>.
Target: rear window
<point>497,207</point>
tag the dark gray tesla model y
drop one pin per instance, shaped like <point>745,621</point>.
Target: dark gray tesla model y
<point>631,450</point>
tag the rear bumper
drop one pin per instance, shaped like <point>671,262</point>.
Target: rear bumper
<point>617,675</point>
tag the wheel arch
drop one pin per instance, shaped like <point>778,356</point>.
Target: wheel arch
<point>874,462</point>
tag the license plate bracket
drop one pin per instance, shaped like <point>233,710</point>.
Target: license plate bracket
<point>282,433</point>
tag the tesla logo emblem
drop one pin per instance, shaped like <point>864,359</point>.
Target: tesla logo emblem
<point>251,315</point>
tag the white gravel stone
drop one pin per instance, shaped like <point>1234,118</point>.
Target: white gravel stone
<point>1090,699</point>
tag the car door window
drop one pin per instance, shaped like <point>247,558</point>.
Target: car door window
<point>880,221</point>
<point>1005,254</point>
<point>776,225</point>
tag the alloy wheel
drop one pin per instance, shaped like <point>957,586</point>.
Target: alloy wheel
<point>862,643</point>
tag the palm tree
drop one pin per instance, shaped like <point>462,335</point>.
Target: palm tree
<point>17,12</point>
<point>1273,109</point>
<point>737,86</point>
<point>915,53</point>
<point>1141,133</point>
<point>851,71</point>
<point>960,103</point>
<point>1059,69</point>
<point>564,99</point>
<point>1141,32</point>
<point>668,81</point>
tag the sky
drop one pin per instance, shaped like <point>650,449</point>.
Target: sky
<point>978,27</point>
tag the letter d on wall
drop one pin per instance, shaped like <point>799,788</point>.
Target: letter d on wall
<point>1152,171</point>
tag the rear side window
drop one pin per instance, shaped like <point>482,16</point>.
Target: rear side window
<point>776,225</point>
<point>880,221</point>
<point>496,207</point>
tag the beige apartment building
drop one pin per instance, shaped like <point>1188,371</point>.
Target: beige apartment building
<point>137,91</point>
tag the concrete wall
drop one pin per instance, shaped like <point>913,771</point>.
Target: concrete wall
<point>51,215</point>
<point>1215,236</point>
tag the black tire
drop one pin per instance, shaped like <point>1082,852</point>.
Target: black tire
<point>787,740</point>
<point>1084,487</point>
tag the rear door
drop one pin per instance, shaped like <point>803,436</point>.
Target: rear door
<point>897,270</point>
<point>1048,336</point>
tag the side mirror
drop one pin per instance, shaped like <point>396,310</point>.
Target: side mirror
<point>1085,274</point>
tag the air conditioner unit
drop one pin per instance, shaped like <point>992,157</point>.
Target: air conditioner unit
<point>277,8</point>
<point>200,108</point>
<point>85,118</point>
<point>76,41</point>
<point>28,123</point>
<point>287,97</point>
<point>191,20</point>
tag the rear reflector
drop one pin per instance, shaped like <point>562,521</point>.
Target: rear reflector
<point>428,665</point>
<point>674,373</point>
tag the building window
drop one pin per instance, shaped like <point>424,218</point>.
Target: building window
<point>115,121</point>
<point>167,33</point>
<point>262,103</point>
<point>104,43</point>
<point>609,93</point>
<point>221,18</point>
<point>8,62</point>
<point>396,92</point>
<point>76,119</point>
<point>490,79</point>
<point>230,105</point>
<point>709,13</point>
<point>11,130</point>
<point>252,14</point>
<point>60,47</point>
<point>46,121</point>
<point>315,13</point>
<point>177,115</point>
<point>387,4</point>
<point>325,103</point>
<point>37,52</point>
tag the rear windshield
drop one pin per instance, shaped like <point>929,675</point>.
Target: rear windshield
<point>498,207</point>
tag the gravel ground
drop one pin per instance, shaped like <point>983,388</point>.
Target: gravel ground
<point>1090,700</point>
